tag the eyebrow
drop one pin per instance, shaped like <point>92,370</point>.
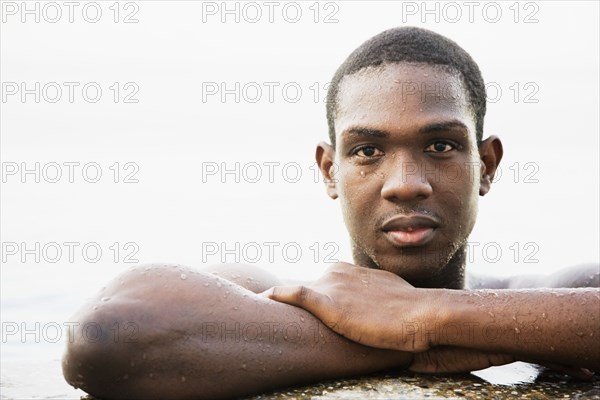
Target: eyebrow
<point>443,126</point>
<point>359,131</point>
<point>434,127</point>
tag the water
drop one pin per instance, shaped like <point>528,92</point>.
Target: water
<point>34,333</point>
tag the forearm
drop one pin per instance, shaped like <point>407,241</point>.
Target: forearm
<point>200,336</point>
<point>559,325</point>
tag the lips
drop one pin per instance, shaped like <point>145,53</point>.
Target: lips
<point>410,230</point>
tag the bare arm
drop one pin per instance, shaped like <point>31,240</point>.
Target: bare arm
<point>555,325</point>
<point>171,332</point>
<point>547,325</point>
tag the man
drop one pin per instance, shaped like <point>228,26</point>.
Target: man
<point>405,105</point>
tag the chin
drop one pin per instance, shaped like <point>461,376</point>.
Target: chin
<point>419,266</point>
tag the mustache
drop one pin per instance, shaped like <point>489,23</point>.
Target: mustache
<point>408,210</point>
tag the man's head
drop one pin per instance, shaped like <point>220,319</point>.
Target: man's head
<point>407,160</point>
<point>412,45</point>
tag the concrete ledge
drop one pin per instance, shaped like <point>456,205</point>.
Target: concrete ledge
<point>403,385</point>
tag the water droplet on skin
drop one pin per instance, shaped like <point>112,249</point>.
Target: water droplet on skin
<point>552,348</point>
<point>362,173</point>
<point>105,299</point>
<point>151,375</point>
<point>95,308</point>
<point>544,315</point>
<point>491,314</point>
<point>517,331</point>
<point>243,366</point>
<point>235,308</point>
<point>206,285</point>
<point>183,379</point>
<point>580,334</point>
<point>302,319</point>
<point>183,276</point>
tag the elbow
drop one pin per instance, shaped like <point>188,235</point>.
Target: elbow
<point>96,355</point>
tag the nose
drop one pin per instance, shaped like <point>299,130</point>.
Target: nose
<point>406,182</point>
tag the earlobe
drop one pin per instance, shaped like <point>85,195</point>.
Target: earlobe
<point>490,153</point>
<point>325,156</point>
<point>485,185</point>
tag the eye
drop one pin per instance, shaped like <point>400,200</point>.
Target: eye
<point>441,146</point>
<point>367,152</point>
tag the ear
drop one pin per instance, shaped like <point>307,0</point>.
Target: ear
<point>325,156</point>
<point>490,153</point>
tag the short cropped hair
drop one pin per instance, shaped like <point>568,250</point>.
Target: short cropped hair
<point>412,45</point>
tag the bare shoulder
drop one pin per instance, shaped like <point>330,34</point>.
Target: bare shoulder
<point>249,276</point>
<point>476,281</point>
<point>578,276</point>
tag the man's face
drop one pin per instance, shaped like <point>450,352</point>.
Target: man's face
<point>406,167</point>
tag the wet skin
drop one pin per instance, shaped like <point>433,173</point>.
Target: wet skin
<point>408,170</point>
<point>403,152</point>
<point>408,229</point>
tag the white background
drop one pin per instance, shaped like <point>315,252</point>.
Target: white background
<point>174,51</point>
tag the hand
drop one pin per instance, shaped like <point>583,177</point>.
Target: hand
<point>373,307</point>
<point>446,360</point>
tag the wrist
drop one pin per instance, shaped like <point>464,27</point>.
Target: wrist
<point>448,313</point>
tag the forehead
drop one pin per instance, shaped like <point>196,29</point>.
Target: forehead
<point>401,96</point>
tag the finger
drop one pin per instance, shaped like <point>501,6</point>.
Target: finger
<point>455,359</point>
<point>300,296</point>
<point>579,373</point>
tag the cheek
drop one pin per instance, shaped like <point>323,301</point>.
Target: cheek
<point>460,196</point>
<point>358,191</point>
